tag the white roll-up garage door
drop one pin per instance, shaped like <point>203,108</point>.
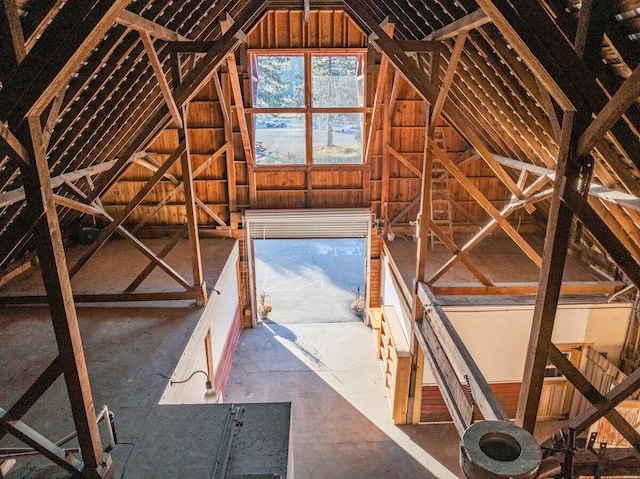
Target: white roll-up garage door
<point>308,223</point>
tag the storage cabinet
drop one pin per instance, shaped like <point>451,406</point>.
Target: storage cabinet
<point>395,360</point>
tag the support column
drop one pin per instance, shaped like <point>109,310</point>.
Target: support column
<point>199,285</point>
<point>38,192</point>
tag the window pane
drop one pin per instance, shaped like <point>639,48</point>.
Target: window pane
<point>337,138</point>
<point>335,80</point>
<point>280,139</point>
<point>278,81</point>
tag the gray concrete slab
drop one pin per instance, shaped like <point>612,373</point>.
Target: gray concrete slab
<point>342,424</point>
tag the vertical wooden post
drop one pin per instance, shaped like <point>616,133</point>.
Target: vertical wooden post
<point>553,261</point>
<point>199,285</point>
<point>423,235</point>
<point>38,192</point>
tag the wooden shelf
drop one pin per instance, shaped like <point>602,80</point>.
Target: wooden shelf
<point>395,356</point>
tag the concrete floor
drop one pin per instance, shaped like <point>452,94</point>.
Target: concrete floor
<point>342,424</point>
<point>341,418</point>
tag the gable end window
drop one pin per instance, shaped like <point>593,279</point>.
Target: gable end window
<point>307,107</point>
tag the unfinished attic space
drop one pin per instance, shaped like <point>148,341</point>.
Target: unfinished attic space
<point>358,239</point>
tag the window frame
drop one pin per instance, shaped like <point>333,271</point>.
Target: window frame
<point>308,110</point>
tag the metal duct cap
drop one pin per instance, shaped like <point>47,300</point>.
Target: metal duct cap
<point>499,449</point>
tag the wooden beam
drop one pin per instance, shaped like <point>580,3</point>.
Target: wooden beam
<point>9,14</point>
<point>148,27</point>
<point>75,205</point>
<point>181,233</point>
<point>37,185</point>
<point>52,117</point>
<point>459,406</point>
<point>122,215</point>
<point>458,254</point>
<point>554,256</point>
<point>378,98</point>
<point>179,186</point>
<point>418,46</point>
<point>514,30</point>
<point>404,210</point>
<point>12,146</point>
<point>627,94</point>
<point>14,300</point>
<point>583,385</point>
<point>13,196</point>
<point>611,399</point>
<point>161,78</point>
<point>457,352</point>
<point>461,254</point>
<point>381,41</point>
<point>485,203</point>
<point>469,22</point>
<point>576,288</point>
<point>403,160</point>
<point>547,104</point>
<point>448,76</point>
<point>193,82</point>
<point>36,390</point>
<point>581,208</point>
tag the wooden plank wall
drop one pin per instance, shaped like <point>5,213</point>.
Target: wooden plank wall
<point>304,186</point>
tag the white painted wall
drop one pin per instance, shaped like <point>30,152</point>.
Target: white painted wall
<point>218,315</point>
<point>497,336</point>
<point>391,296</point>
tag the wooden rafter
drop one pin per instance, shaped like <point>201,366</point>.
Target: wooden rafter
<point>416,78</point>
<point>376,113</point>
<point>193,82</point>
<point>464,24</point>
<point>546,51</point>
<point>52,60</point>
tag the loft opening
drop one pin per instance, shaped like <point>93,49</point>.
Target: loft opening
<point>308,106</point>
